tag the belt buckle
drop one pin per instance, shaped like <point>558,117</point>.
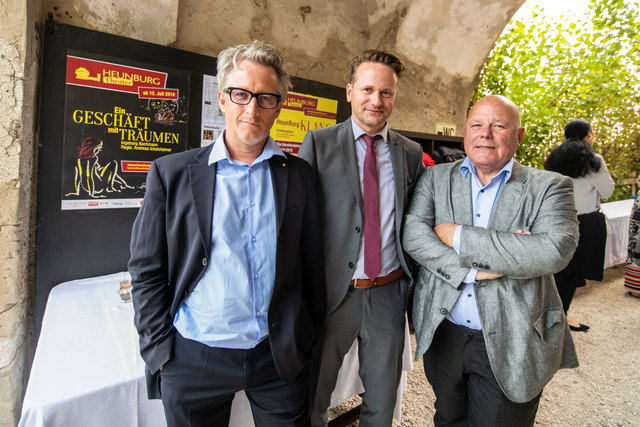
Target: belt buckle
<point>355,283</point>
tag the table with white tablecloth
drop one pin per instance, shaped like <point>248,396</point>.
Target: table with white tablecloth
<point>618,214</point>
<point>87,370</point>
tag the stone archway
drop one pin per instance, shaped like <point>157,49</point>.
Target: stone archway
<point>443,44</point>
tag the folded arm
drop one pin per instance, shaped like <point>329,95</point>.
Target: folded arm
<point>546,249</point>
<point>421,242</point>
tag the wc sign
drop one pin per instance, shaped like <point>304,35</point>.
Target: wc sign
<point>446,129</point>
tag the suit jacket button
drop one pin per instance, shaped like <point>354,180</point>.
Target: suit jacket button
<point>350,265</point>
<point>448,276</point>
<point>474,264</point>
<point>486,267</point>
<point>443,311</point>
<point>357,229</point>
<point>204,262</point>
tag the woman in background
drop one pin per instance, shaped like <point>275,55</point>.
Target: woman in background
<point>576,159</point>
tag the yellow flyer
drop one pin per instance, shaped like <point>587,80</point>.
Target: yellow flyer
<point>300,114</point>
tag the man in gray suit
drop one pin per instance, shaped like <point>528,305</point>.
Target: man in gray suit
<point>367,274</point>
<point>488,234</point>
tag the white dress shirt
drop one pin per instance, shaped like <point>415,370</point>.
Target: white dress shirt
<point>387,195</point>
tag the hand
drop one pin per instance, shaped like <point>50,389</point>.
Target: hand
<point>521,232</point>
<point>445,232</point>
<point>485,275</point>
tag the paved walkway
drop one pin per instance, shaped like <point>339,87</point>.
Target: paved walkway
<point>603,391</point>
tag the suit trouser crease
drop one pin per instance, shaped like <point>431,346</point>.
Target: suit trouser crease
<point>375,318</point>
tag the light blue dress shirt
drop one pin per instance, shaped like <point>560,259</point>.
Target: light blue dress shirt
<point>229,305</point>
<point>389,261</point>
<point>465,310</point>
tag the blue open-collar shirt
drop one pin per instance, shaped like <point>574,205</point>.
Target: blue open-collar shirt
<point>465,310</point>
<point>228,307</point>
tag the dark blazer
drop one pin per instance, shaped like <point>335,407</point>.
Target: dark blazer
<point>170,247</point>
<point>331,152</point>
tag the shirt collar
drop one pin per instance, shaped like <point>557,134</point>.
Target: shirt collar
<point>219,151</point>
<point>358,131</point>
<point>468,166</point>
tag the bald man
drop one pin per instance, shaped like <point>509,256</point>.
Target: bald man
<point>488,234</point>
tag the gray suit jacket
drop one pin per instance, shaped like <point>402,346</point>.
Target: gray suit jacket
<point>331,151</point>
<point>524,327</point>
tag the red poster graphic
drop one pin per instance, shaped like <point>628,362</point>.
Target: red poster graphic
<point>110,76</point>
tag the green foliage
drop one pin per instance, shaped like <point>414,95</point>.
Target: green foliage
<point>558,71</point>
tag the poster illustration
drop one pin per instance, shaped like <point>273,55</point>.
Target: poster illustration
<point>119,117</point>
<point>301,113</point>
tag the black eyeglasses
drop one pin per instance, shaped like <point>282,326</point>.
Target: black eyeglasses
<point>243,97</point>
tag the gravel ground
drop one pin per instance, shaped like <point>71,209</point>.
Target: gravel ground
<point>603,391</point>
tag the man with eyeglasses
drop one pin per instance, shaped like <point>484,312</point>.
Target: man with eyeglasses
<point>226,262</point>
<point>366,173</point>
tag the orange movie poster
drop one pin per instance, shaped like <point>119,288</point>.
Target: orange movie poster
<point>119,117</point>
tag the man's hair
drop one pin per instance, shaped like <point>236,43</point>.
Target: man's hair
<point>373,55</point>
<point>577,129</point>
<point>257,52</point>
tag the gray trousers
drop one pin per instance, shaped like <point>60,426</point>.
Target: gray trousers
<point>376,318</point>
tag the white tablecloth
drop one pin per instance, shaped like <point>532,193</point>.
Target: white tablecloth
<point>618,214</point>
<point>87,369</point>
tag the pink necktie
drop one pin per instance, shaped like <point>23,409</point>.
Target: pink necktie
<point>371,210</point>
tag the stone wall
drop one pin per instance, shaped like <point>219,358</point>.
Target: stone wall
<point>443,45</point>
<point>19,46</point>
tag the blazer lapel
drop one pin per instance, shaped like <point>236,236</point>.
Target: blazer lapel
<point>202,178</point>
<point>509,200</point>
<point>346,140</point>
<point>279,179</point>
<point>461,197</point>
<point>399,166</point>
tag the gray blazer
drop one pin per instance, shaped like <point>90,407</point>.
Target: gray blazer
<point>331,151</point>
<point>524,327</point>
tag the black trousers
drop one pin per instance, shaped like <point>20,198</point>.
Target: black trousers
<point>199,382</point>
<point>467,393</point>
<point>566,284</point>
<point>588,259</point>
